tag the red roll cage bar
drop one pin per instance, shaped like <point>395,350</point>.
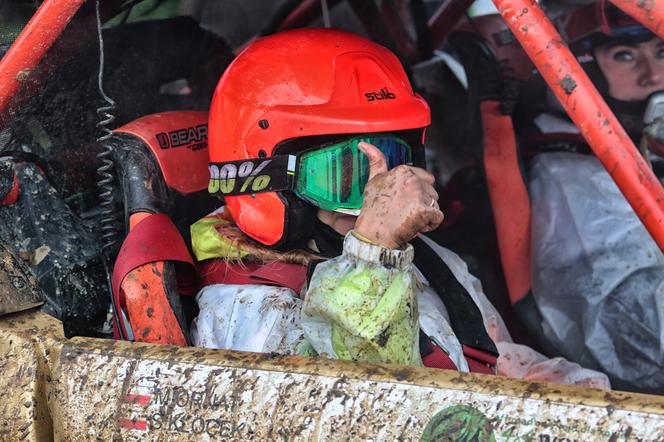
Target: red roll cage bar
<point>650,13</point>
<point>533,30</point>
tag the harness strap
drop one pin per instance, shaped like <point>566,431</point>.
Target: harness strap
<point>217,271</point>
<point>478,361</point>
<point>509,198</point>
<point>465,317</point>
<point>153,239</point>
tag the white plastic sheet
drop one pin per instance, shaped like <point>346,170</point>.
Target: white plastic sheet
<point>598,277</point>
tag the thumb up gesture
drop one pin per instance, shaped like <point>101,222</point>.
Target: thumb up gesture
<point>398,204</point>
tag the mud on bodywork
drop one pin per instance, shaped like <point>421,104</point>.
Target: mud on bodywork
<point>62,251</point>
<point>91,389</point>
<point>17,284</point>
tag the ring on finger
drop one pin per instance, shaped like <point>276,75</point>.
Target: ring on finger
<point>433,202</point>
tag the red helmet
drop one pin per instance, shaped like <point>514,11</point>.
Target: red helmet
<point>303,83</point>
<point>591,25</point>
<point>587,27</point>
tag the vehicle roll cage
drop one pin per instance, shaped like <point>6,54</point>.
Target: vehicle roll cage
<point>534,31</point>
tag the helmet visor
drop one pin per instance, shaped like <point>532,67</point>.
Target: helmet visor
<point>333,177</point>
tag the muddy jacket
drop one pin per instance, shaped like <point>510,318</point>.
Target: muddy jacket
<point>367,304</point>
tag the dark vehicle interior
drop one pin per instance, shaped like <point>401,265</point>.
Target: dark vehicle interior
<point>167,55</point>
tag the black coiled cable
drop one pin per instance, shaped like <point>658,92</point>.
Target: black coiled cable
<point>105,183</point>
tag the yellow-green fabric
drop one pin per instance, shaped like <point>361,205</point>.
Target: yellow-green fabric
<point>207,243</point>
<point>363,311</point>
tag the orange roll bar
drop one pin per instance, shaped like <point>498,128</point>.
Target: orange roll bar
<point>588,111</point>
<point>650,13</point>
<point>31,45</point>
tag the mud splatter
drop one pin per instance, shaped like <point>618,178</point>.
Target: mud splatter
<point>568,84</point>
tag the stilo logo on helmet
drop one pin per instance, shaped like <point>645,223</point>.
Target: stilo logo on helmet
<point>288,96</point>
<point>383,94</point>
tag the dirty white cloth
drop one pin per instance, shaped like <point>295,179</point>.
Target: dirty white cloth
<point>227,320</point>
<point>258,318</point>
<point>598,276</point>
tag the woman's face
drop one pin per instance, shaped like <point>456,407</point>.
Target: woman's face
<point>632,71</point>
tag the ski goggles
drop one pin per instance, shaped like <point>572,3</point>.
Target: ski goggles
<point>331,177</point>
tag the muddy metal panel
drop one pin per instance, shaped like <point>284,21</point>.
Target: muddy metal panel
<point>17,284</point>
<point>29,346</point>
<point>88,389</point>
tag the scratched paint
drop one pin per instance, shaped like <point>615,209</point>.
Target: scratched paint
<point>90,389</point>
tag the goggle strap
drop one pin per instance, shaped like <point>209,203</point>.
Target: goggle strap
<point>254,175</point>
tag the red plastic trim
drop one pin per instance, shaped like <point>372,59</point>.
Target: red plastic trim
<point>12,196</point>
<point>179,141</point>
<point>150,314</point>
<point>138,284</point>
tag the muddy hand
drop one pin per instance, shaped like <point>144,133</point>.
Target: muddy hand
<point>398,204</point>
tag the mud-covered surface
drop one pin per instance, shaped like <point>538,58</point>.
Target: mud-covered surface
<point>150,66</point>
<point>18,286</point>
<point>6,178</point>
<point>62,251</point>
<point>87,389</point>
<point>217,395</point>
<point>29,343</point>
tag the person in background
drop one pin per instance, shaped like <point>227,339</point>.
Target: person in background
<point>597,275</point>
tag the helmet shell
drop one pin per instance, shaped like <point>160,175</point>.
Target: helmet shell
<point>588,26</point>
<point>301,83</point>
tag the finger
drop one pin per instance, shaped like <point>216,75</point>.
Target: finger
<point>424,175</point>
<point>428,202</point>
<point>377,162</point>
<point>425,194</point>
<point>430,193</point>
<point>434,218</point>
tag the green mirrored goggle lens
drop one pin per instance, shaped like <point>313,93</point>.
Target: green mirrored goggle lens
<point>333,177</point>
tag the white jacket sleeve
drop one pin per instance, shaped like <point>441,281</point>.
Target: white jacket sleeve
<point>517,361</point>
